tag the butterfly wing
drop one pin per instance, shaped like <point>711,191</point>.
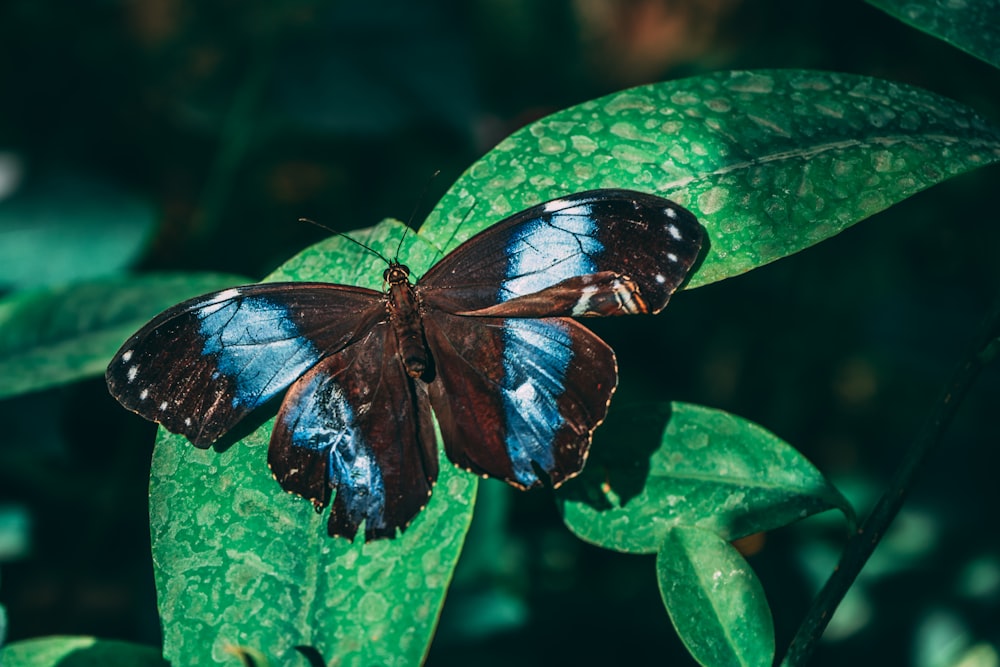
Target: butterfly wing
<point>201,366</point>
<point>357,423</point>
<point>602,252</point>
<point>514,396</point>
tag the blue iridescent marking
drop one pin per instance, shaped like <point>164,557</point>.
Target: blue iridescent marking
<point>327,422</point>
<point>549,250</point>
<point>535,358</point>
<point>256,345</point>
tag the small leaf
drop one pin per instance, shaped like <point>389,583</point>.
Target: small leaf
<point>714,599</point>
<point>972,26</point>
<point>53,336</point>
<point>770,161</point>
<point>238,561</point>
<point>61,227</point>
<point>707,468</point>
<point>79,652</point>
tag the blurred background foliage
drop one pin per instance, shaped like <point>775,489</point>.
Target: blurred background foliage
<point>181,135</point>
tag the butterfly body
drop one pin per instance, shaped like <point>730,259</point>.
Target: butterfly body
<point>404,313</point>
<point>485,338</point>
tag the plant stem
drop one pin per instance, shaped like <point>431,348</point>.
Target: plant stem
<point>234,141</point>
<point>862,544</point>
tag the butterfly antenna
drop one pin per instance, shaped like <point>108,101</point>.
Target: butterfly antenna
<point>353,240</point>
<point>416,206</point>
<point>454,233</point>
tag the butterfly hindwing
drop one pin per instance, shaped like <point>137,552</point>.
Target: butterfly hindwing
<point>515,396</point>
<point>603,252</point>
<point>201,366</point>
<point>358,426</point>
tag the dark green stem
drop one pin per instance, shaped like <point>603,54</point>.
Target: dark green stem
<point>234,139</point>
<point>862,544</point>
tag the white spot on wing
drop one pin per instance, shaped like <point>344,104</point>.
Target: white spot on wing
<point>671,213</point>
<point>582,304</point>
<point>526,392</point>
<point>132,372</point>
<point>127,356</point>
<point>144,394</point>
<point>676,233</point>
<point>672,257</point>
<point>163,405</point>
<point>225,295</point>
<point>660,278</point>
<point>624,297</point>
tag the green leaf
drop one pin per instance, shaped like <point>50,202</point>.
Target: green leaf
<point>771,162</point>
<point>240,562</point>
<point>715,601</point>
<point>78,652</point>
<point>53,336</point>
<point>62,227</point>
<point>973,26</point>
<point>706,468</point>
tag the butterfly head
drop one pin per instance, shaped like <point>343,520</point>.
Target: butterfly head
<point>396,274</point>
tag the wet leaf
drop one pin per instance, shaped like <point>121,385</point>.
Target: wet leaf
<point>973,27</point>
<point>770,161</point>
<point>714,599</point>
<point>240,562</point>
<point>686,465</point>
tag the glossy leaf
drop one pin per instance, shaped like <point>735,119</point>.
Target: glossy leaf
<point>714,599</point>
<point>771,162</point>
<point>241,562</point>
<point>53,336</point>
<point>658,467</point>
<point>58,651</point>
<point>62,226</point>
<point>972,26</point>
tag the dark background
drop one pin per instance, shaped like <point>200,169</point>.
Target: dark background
<point>233,119</point>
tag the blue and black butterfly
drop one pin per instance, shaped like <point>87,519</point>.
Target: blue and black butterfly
<point>484,339</point>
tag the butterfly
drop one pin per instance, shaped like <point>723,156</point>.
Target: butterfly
<point>485,339</point>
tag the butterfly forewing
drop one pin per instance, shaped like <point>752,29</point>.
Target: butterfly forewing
<point>603,252</point>
<point>201,366</point>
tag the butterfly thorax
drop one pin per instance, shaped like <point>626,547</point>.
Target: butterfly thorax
<point>404,315</point>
